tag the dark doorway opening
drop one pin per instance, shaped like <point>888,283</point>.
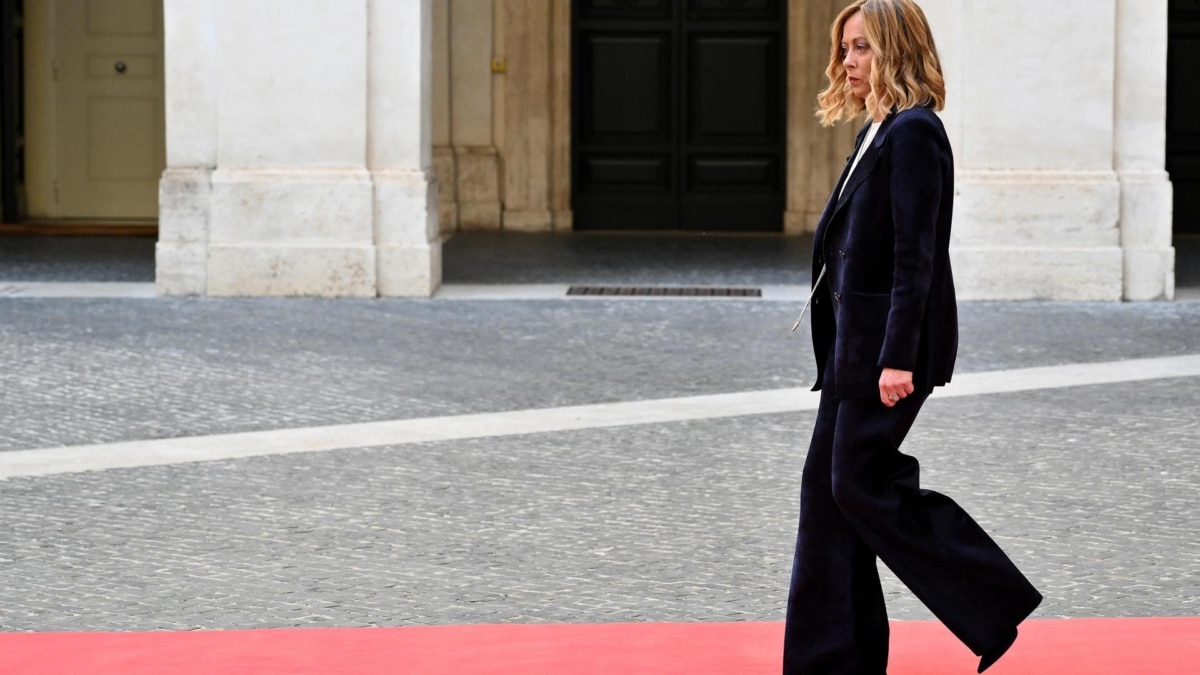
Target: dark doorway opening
<point>1183,113</point>
<point>679,115</point>
<point>12,109</point>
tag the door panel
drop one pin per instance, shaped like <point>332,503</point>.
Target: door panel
<point>122,17</point>
<point>624,131</point>
<point>650,174</point>
<point>109,100</point>
<point>679,114</point>
<point>12,120</point>
<point>1183,113</point>
<point>734,149</point>
<point>112,157</point>
<point>734,174</point>
<point>630,78</point>
<point>733,89</point>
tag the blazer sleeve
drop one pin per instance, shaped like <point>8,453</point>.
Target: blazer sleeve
<point>919,160</point>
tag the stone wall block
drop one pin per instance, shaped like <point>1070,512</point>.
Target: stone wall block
<point>184,203</point>
<point>180,257</point>
<point>1049,210</point>
<point>1146,236</point>
<point>478,187</point>
<point>1020,273</point>
<point>1150,274</point>
<point>279,207</point>
<point>408,248</point>
<point>323,270</point>
<point>291,232</point>
<point>445,167</point>
<point>181,268</point>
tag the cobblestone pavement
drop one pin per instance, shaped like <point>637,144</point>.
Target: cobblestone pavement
<point>1091,489</point>
<point>95,371</point>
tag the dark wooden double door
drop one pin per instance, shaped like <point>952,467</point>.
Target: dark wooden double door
<point>679,114</point>
<point>1183,113</point>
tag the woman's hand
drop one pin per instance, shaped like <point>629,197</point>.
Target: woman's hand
<point>894,385</point>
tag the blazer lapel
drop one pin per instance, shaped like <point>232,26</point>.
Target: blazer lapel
<point>865,166</point>
<point>834,202</point>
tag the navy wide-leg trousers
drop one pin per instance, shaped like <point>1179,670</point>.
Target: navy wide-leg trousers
<point>860,499</point>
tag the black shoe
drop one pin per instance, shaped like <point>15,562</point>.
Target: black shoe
<point>991,656</point>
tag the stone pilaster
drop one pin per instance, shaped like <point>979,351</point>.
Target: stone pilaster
<point>1039,202</point>
<point>181,266</point>
<point>1141,111</point>
<point>527,115</point>
<point>405,213</point>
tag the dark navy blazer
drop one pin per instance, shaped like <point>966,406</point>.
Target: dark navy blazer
<point>887,299</point>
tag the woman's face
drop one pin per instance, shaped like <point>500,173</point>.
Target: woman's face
<point>856,55</point>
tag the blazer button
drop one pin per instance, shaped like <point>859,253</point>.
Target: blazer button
<point>837,296</point>
<point>842,253</point>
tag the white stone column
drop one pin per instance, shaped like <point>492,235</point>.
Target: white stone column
<point>291,196</point>
<point>190,31</point>
<point>407,241</point>
<point>1141,112</point>
<point>1039,202</point>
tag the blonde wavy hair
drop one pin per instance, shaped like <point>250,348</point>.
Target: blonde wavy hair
<point>905,69</point>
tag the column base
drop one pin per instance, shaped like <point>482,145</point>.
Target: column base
<point>408,246</point>
<point>1146,222</point>
<point>321,270</point>
<point>1150,274</point>
<point>181,255</point>
<point>1010,273</point>
<point>529,221</point>
<point>181,268</point>
<point>409,271</point>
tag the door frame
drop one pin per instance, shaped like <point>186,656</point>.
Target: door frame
<point>12,103</point>
<point>814,155</point>
<point>41,112</point>
<point>1184,147</point>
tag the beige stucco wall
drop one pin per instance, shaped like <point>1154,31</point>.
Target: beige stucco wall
<point>466,159</point>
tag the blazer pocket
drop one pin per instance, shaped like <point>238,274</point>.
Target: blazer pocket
<point>866,324</point>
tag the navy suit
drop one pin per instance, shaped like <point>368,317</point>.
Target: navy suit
<point>886,300</point>
<point>886,242</point>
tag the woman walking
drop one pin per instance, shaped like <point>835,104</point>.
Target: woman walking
<point>885,332</point>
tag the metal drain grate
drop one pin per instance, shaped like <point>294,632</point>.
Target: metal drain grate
<point>666,291</point>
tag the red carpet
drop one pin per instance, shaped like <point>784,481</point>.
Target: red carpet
<point>1085,646</point>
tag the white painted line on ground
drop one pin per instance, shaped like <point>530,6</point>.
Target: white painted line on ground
<point>81,289</point>
<point>50,461</point>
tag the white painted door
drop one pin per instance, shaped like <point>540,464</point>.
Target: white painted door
<point>110,143</point>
